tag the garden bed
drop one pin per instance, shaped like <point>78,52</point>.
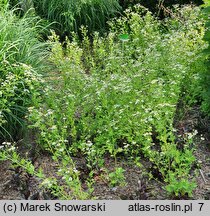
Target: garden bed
<point>17,185</point>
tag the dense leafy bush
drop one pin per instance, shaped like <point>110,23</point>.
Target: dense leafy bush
<point>119,94</point>
<point>153,5</point>
<point>70,15</point>
<point>19,84</point>
<point>205,75</point>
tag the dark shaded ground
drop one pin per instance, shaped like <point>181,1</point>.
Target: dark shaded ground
<point>19,185</point>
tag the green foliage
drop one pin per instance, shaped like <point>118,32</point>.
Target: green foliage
<point>3,4</point>
<point>71,187</point>
<point>181,188</point>
<point>115,95</point>
<point>119,96</point>
<point>117,177</point>
<point>19,39</point>
<point>69,175</point>
<point>22,7</point>
<point>206,3</point>
<point>19,84</point>
<point>10,153</point>
<point>205,74</point>
<point>70,15</point>
<point>20,54</point>
<point>175,167</point>
<point>155,5</point>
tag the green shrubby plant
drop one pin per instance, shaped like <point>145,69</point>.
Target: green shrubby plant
<point>8,151</point>
<point>175,167</point>
<point>21,53</point>
<point>66,170</point>
<point>117,177</point>
<point>19,85</point>
<point>120,97</point>
<point>204,74</point>
<point>158,6</point>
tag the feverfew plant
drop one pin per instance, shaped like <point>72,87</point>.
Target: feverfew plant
<point>20,84</point>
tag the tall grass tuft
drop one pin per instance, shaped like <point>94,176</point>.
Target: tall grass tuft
<point>19,39</point>
<point>71,14</point>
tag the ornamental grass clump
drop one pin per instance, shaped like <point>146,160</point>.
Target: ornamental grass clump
<point>20,40</point>
<point>69,15</point>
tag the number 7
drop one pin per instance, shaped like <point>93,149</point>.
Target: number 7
<point>201,205</point>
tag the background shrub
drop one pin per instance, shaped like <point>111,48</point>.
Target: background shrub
<point>19,85</point>
<point>69,15</point>
<point>205,74</point>
<point>154,5</point>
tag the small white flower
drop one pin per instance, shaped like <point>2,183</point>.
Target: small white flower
<point>202,138</point>
<point>154,81</point>
<point>12,148</point>
<point>61,149</point>
<point>75,170</point>
<point>26,91</point>
<point>49,112</point>
<point>126,146</point>
<point>6,143</point>
<point>54,127</point>
<point>147,134</point>
<point>195,132</point>
<point>30,109</point>
<point>190,135</point>
<point>89,143</point>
